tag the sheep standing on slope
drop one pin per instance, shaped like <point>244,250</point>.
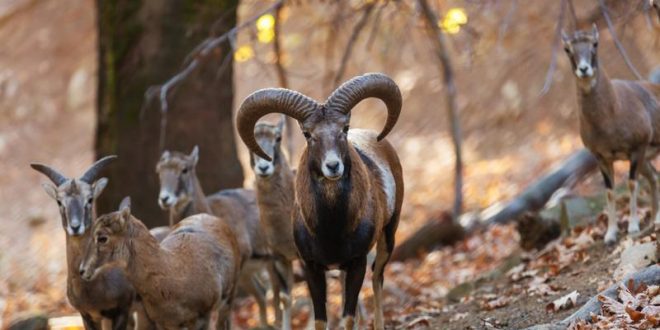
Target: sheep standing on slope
<point>277,211</point>
<point>349,186</point>
<point>619,120</point>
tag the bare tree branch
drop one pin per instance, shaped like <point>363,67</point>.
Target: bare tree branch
<point>375,26</point>
<point>452,108</point>
<point>504,27</point>
<point>618,44</point>
<point>282,77</point>
<point>574,19</point>
<point>203,51</point>
<point>555,48</point>
<point>368,8</point>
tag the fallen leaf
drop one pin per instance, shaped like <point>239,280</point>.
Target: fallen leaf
<point>564,302</point>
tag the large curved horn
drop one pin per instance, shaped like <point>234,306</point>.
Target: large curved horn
<point>265,101</point>
<point>51,173</point>
<point>378,85</point>
<point>93,171</point>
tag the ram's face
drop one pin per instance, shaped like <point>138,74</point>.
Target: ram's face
<point>75,200</point>
<point>326,132</point>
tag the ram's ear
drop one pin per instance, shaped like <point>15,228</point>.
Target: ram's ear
<point>50,189</point>
<point>98,186</point>
<point>194,156</point>
<point>594,31</point>
<point>565,38</point>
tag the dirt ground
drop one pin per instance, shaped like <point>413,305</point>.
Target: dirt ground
<point>511,136</point>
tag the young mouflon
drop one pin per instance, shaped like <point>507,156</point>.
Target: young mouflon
<point>181,280</point>
<point>274,184</point>
<point>619,120</point>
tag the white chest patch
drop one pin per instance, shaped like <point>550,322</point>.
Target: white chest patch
<point>389,186</point>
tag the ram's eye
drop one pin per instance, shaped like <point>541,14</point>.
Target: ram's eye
<point>596,44</point>
<point>278,139</point>
<point>185,170</point>
<point>345,129</point>
<point>567,50</point>
<point>59,203</point>
<point>307,135</point>
<point>102,239</point>
<point>89,201</point>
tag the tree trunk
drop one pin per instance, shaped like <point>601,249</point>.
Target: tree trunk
<point>143,43</point>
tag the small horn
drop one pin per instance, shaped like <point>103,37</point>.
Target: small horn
<point>377,85</point>
<point>265,101</point>
<point>51,173</point>
<point>93,171</point>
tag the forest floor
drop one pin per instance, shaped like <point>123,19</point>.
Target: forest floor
<point>484,281</point>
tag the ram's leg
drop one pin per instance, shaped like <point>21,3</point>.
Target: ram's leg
<point>88,322</point>
<point>287,300</point>
<point>249,282</point>
<point>275,280</point>
<point>636,161</point>
<point>648,172</point>
<point>383,253</point>
<point>315,278</point>
<point>352,284</point>
<point>607,170</point>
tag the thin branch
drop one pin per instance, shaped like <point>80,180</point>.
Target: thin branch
<point>452,108</point>
<point>351,41</point>
<point>277,48</point>
<point>574,19</point>
<point>504,27</point>
<point>375,26</point>
<point>202,51</point>
<point>618,44</point>
<point>282,78</point>
<point>555,49</point>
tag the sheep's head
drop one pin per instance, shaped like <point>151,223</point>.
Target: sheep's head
<point>107,247</point>
<point>176,172</point>
<point>269,138</point>
<point>325,126</point>
<point>582,50</point>
<point>75,197</point>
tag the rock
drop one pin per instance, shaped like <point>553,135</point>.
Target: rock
<point>33,322</point>
<point>635,258</point>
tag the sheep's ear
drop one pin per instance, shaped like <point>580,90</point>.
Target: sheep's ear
<point>124,211</point>
<point>281,124</point>
<point>165,155</point>
<point>98,186</point>
<point>594,31</point>
<point>564,37</point>
<point>50,189</point>
<point>194,155</point>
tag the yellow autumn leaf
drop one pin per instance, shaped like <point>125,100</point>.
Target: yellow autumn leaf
<point>453,20</point>
<point>266,36</point>
<point>265,22</point>
<point>243,53</point>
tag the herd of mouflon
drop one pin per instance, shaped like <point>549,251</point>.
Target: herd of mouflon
<point>344,199</point>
